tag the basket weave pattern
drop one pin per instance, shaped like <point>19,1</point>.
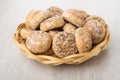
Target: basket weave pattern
<point>72,59</point>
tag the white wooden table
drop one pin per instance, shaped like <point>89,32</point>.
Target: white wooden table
<point>15,66</point>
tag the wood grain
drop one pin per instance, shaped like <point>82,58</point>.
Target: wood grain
<point>15,66</point>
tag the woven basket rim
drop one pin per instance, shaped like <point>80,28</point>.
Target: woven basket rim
<point>71,59</point>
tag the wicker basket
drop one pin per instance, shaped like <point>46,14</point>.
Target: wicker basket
<point>72,59</point>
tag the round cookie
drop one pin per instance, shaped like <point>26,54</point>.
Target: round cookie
<point>54,11</point>
<point>52,23</point>
<point>38,42</point>
<point>64,44</point>
<point>53,33</point>
<point>69,28</point>
<point>83,40</point>
<point>76,17</point>
<point>34,18</point>
<point>97,30</point>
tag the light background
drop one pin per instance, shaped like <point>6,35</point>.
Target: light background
<point>15,66</point>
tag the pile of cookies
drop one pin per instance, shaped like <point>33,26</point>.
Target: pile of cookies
<point>62,33</point>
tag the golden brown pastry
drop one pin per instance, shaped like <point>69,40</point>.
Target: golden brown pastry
<point>76,17</point>
<point>52,23</point>
<point>62,33</point>
<point>83,40</point>
<point>64,44</point>
<point>96,27</point>
<point>34,18</point>
<point>69,28</point>
<point>38,42</point>
<point>54,11</point>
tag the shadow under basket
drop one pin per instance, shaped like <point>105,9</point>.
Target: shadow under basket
<point>72,59</point>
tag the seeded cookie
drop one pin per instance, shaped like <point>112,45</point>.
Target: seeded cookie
<point>64,44</point>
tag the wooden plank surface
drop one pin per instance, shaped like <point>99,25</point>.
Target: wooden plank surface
<point>15,66</point>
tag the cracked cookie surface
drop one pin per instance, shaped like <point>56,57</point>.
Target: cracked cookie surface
<point>64,44</point>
